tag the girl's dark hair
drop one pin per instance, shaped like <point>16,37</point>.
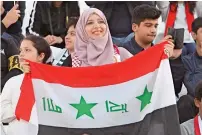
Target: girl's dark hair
<point>192,5</point>
<point>41,46</point>
<point>72,21</point>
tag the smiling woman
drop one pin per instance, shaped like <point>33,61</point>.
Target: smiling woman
<point>95,27</point>
<point>93,45</point>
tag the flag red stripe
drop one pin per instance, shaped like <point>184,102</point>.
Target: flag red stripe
<point>26,100</point>
<point>146,62</point>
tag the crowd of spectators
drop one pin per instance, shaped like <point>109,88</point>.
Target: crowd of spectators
<point>59,36</point>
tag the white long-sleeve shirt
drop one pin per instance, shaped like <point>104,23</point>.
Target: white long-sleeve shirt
<point>8,102</point>
<point>187,128</point>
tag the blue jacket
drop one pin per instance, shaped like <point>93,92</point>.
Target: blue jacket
<point>193,73</point>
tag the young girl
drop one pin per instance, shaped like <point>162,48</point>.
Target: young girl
<point>62,56</point>
<point>35,49</point>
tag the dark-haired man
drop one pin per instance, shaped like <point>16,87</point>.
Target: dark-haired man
<point>145,23</point>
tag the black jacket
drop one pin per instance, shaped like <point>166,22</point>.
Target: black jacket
<point>16,27</point>
<point>49,20</point>
<point>178,72</point>
<point>67,62</point>
<point>10,65</point>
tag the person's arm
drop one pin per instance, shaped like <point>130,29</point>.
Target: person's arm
<point>13,65</point>
<point>178,71</point>
<point>52,40</point>
<point>63,38</point>
<point>35,22</point>
<point>189,82</point>
<point>7,111</point>
<point>10,17</point>
<point>3,28</point>
<point>11,51</point>
<point>124,54</point>
<point>13,72</point>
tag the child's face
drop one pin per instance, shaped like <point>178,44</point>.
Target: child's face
<point>29,52</point>
<point>70,38</point>
<point>198,37</point>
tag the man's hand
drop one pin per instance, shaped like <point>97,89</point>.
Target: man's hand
<point>51,39</point>
<point>25,66</point>
<point>169,47</point>
<point>12,16</point>
<point>171,52</point>
<point>57,40</point>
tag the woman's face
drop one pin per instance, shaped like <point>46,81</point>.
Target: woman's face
<point>29,52</point>
<point>70,38</point>
<point>95,26</point>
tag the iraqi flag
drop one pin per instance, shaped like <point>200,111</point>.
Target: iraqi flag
<point>134,97</point>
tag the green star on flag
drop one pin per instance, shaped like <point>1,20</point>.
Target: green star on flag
<point>145,98</point>
<point>83,108</point>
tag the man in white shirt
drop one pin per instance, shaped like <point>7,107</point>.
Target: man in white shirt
<point>193,126</point>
